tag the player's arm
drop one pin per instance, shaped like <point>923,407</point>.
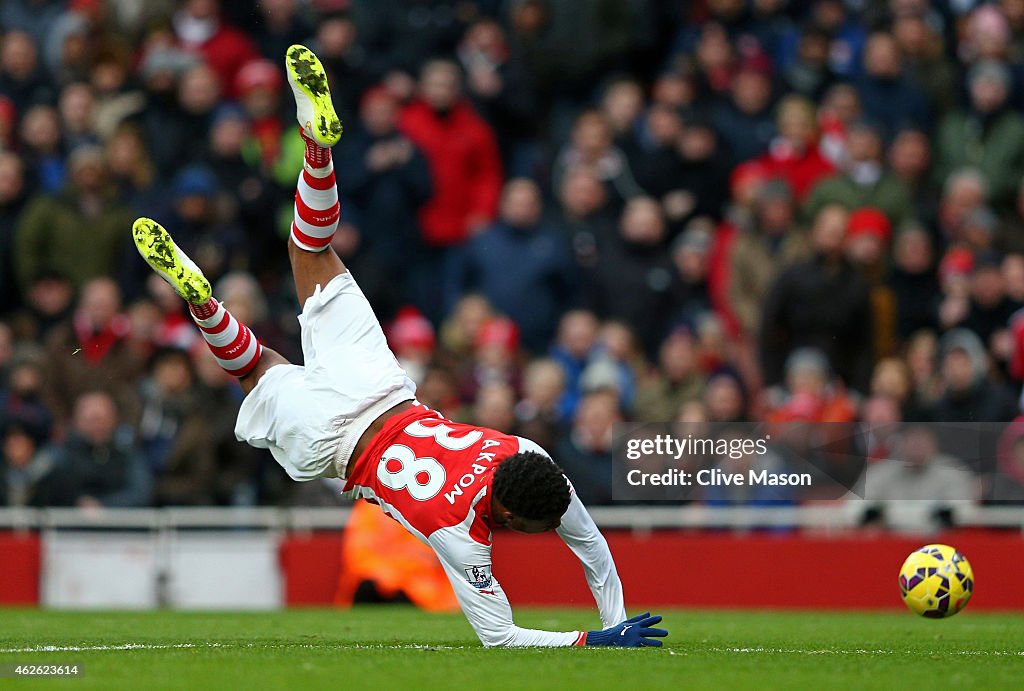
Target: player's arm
<point>468,565</point>
<point>580,533</point>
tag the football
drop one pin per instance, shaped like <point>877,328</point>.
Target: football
<point>936,581</point>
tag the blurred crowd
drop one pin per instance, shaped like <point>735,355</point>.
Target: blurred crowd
<point>566,214</point>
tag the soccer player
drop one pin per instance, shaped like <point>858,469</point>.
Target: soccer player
<point>350,412</point>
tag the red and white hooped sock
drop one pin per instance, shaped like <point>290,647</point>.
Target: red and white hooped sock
<point>233,345</point>
<point>317,209</point>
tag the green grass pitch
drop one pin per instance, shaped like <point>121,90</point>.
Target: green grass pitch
<point>401,648</point>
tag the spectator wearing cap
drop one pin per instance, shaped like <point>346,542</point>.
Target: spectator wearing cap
<point>495,358</point>
<point>216,242</point>
<point>543,282</point>
<point>771,241</point>
<point>385,178</point>
<point>987,134</point>
<point>955,271</point>
<point>969,395</point>
<point>79,231</point>
<point>745,119</point>
<point>822,302</point>
<point>864,180</point>
<point>868,237</point>
<point>258,88</point>
<point>200,29</point>
<point>890,97</point>
<point>411,338</point>
<point>635,280</point>
<point>793,154</point>
<point>913,281</point>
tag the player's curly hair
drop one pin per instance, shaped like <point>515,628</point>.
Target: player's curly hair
<point>531,486</point>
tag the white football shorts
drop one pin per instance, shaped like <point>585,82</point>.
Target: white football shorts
<point>311,416</point>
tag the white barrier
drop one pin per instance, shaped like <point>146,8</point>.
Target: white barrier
<point>835,516</point>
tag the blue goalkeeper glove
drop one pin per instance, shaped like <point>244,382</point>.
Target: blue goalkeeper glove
<point>632,633</point>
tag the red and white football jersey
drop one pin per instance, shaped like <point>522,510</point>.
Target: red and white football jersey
<point>434,477</point>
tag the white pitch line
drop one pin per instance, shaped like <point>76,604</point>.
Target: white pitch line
<point>173,646</point>
<point>857,651</point>
<point>123,646</point>
<point>424,646</point>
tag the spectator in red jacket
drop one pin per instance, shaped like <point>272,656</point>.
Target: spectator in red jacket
<point>199,29</point>
<point>794,155</point>
<point>463,155</point>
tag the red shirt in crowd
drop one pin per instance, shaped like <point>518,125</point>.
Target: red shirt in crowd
<point>465,166</point>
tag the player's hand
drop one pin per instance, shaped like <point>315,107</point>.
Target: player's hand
<point>632,633</point>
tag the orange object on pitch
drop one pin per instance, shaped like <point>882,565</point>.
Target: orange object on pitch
<point>377,548</point>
